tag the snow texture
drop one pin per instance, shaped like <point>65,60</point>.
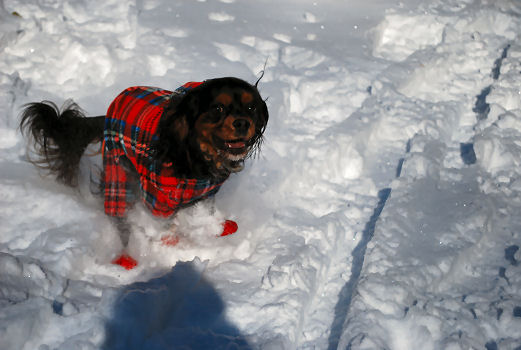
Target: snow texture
<point>382,212</point>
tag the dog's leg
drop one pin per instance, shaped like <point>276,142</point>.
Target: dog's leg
<point>229,226</point>
<point>211,205</point>
<point>119,185</point>
<point>124,230</point>
<point>124,259</point>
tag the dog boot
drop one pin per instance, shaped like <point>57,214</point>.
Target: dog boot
<point>125,261</point>
<point>229,227</point>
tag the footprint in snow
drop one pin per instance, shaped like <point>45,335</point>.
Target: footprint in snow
<point>175,32</point>
<point>309,17</point>
<point>220,17</point>
<point>282,37</point>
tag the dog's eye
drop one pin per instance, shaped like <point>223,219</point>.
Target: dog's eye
<point>216,113</point>
<point>251,108</point>
<point>219,109</point>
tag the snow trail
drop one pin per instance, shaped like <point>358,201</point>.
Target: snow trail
<point>346,294</point>
<point>482,108</point>
<point>442,219</point>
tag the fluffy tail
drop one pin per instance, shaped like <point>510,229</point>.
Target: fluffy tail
<point>60,137</point>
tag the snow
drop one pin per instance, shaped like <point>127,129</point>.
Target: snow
<point>382,212</point>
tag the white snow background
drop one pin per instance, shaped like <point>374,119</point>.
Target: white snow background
<point>382,213</point>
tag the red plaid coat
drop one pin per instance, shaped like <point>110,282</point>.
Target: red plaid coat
<point>131,125</point>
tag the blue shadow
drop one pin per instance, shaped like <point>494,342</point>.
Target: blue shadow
<point>179,310</point>
<point>346,294</point>
<point>481,107</point>
<point>467,153</point>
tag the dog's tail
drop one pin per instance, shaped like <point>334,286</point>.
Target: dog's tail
<point>60,137</point>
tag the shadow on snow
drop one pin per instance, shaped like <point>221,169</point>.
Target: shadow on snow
<point>179,310</point>
<point>344,298</point>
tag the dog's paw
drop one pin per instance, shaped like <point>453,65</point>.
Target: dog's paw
<point>125,261</point>
<point>170,240</point>
<point>229,227</point>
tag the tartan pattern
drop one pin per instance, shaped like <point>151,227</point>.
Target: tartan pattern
<point>131,125</point>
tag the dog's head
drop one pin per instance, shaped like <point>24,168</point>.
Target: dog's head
<point>219,123</point>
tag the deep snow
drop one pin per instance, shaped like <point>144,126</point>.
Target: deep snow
<point>382,213</point>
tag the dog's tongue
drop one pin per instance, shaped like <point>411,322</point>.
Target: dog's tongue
<point>238,144</point>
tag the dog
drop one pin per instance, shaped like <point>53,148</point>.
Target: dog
<point>171,148</point>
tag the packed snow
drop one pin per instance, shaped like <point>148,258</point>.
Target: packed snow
<point>382,212</point>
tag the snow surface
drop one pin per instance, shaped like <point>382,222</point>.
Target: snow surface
<point>383,212</point>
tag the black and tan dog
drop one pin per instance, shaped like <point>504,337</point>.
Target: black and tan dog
<point>175,148</point>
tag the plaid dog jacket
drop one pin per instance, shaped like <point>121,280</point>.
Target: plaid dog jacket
<point>131,125</point>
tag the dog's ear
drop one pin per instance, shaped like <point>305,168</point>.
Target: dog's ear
<point>179,127</point>
<point>182,115</point>
<point>264,116</point>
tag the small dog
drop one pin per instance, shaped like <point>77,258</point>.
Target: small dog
<point>175,148</point>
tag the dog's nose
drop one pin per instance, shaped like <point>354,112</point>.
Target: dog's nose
<point>241,126</point>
